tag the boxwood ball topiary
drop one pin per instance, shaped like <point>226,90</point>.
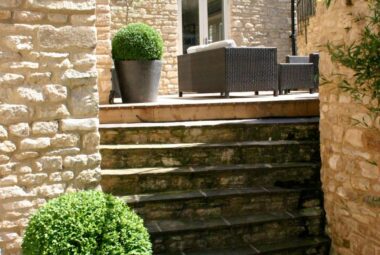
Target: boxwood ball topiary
<point>88,223</point>
<point>137,41</point>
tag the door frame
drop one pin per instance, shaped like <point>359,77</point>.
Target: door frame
<point>203,22</point>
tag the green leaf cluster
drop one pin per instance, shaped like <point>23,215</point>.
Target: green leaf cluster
<point>363,57</point>
<point>86,223</point>
<point>137,41</point>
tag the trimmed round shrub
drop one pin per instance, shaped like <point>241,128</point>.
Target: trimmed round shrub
<point>137,41</point>
<point>87,223</point>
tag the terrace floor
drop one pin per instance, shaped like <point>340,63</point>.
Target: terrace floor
<point>212,106</point>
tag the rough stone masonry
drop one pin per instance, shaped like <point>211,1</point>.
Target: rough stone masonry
<point>350,152</point>
<point>48,107</point>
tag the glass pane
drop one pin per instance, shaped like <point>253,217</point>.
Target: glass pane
<point>215,20</point>
<point>190,23</point>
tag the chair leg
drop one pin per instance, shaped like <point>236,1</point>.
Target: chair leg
<point>222,94</point>
<point>227,94</point>
<point>275,93</point>
<point>180,94</point>
<point>256,93</point>
<point>281,92</point>
<point>312,91</point>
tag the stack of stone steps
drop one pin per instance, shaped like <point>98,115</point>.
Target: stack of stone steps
<point>220,187</point>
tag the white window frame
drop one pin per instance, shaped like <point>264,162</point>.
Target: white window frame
<point>203,22</point>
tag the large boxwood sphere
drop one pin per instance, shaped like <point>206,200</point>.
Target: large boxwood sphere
<point>86,223</point>
<point>137,41</point>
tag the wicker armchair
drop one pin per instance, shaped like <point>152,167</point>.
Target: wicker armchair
<point>228,70</point>
<point>300,72</point>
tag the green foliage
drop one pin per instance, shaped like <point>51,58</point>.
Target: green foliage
<point>86,223</point>
<point>137,41</point>
<point>363,57</point>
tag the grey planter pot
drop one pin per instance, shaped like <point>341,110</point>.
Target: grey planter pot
<point>138,80</point>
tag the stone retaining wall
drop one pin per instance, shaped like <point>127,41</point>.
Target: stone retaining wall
<point>48,107</point>
<point>350,153</point>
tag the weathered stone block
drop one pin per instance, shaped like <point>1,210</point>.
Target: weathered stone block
<point>11,192</point>
<point>65,140</point>
<point>51,191</point>
<point>28,95</point>
<point>88,178</point>
<point>57,18</point>
<point>51,163</point>
<point>84,101</point>
<point>65,37</point>
<point>39,78</point>
<point>91,141</point>
<point>7,147</point>
<point>12,206</point>
<point>5,14</point>
<point>8,180</point>
<point>45,128</point>
<point>55,93</point>
<point>4,159</point>
<point>28,16</point>
<point>83,20</point>
<point>10,3</point>
<point>75,78</point>
<point>67,175</point>
<point>69,125</point>
<point>63,152</point>
<point>62,5</point>
<point>20,130</point>
<point>18,43</point>
<point>354,137</point>
<point>26,155</point>
<point>78,162</point>
<point>369,170</point>
<point>52,112</point>
<point>35,144</point>
<point>33,179</point>
<point>11,79</point>
<point>3,132</point>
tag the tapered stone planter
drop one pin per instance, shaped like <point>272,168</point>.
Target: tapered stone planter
<point>138,80</point>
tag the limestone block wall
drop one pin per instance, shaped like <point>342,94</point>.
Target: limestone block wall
<point>350,153</point>
<point>103,50</point>
<point>163,16</point>
<point>48,107</point>
<point>262,22</point>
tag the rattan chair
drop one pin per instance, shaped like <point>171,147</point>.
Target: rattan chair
<point>300,72</point>
<point>228,70</point>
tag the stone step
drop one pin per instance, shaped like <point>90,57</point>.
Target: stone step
<point>296,246</point>
<point>206,203</point>
<point>267,107</point>
<point>123,181</point>
<point>222,232</point>
<point>211,131</point>
<point>199,154</point>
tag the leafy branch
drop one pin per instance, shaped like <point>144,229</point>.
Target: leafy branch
<point>363,57</point>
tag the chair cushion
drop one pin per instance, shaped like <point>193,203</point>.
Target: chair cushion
<point>212,46</point>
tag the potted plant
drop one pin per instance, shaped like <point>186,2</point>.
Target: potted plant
<point>88,222</point>
<point>137,51</point>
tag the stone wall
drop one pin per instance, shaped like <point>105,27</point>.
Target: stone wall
<point>48,107</point>
<point>103,50</point>
<point>262,22</point>
<point>350,153</point>
<point>163,16</point>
